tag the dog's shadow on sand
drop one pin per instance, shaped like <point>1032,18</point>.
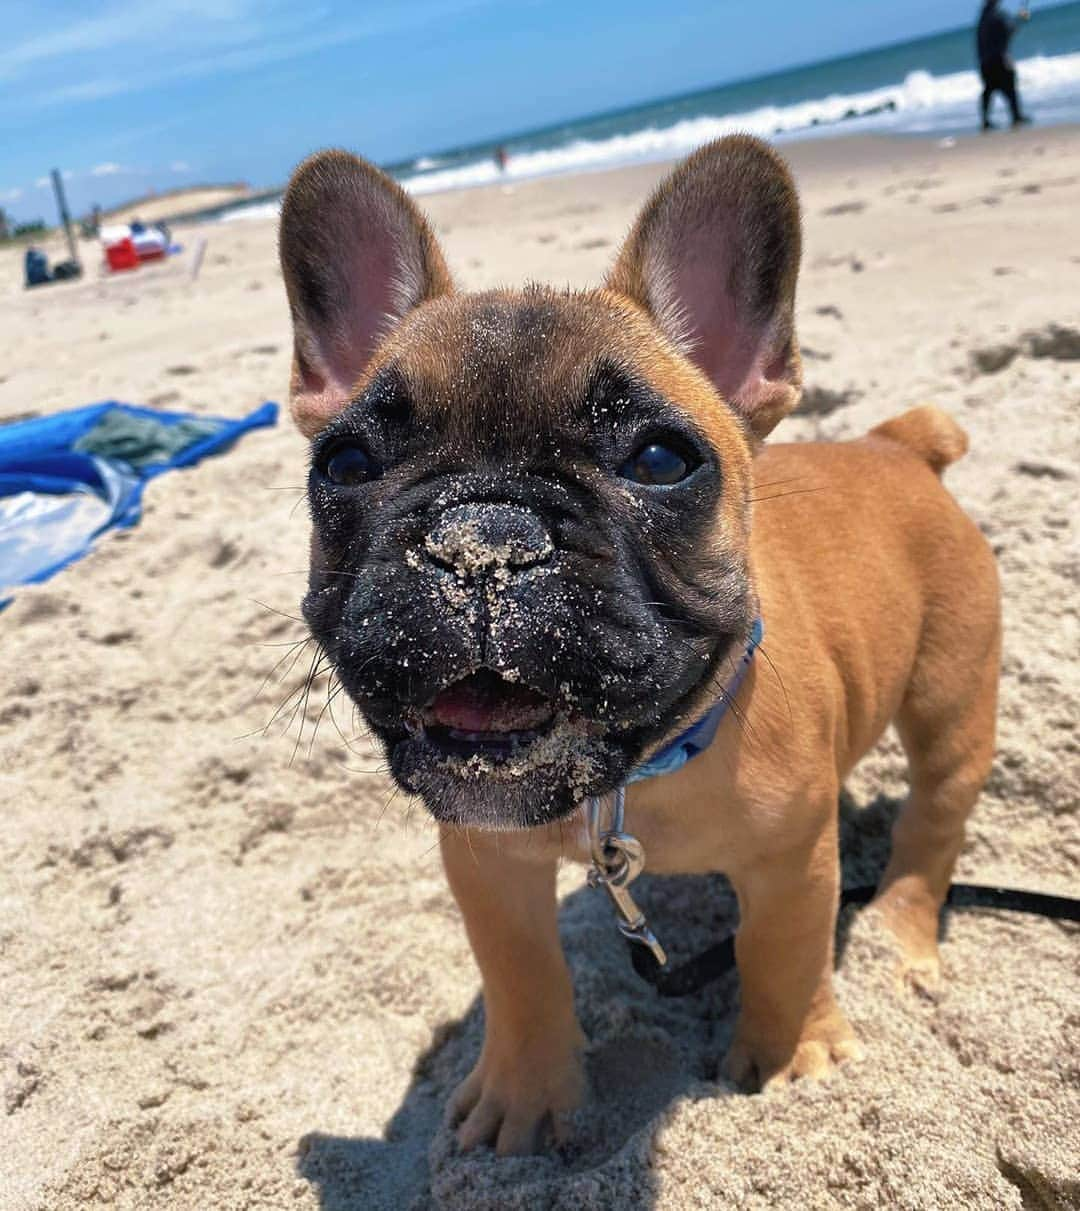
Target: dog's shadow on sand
<point>644,1052</point>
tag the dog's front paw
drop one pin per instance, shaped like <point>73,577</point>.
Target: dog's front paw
<point>515,1100</point>
<point>756,1059</point>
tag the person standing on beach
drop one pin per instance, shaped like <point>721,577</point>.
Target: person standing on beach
<point>998,73</point>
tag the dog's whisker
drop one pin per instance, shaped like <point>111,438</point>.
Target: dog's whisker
<point>315,669</point>
<point>779,678</point>
<point>336,572</point>
<point>296,650</point>
<point>282,706</point>
<point>395,791</point>
<point>468,841</point>
<point>430,850</point>
<point>319,718</point>
<point>776,483</point>
<point>760,500</point>
<point>333,718</point>
<point>280,613</point>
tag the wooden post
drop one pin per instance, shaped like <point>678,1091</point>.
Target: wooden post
<point>197,260</point>
<point>65,218</point>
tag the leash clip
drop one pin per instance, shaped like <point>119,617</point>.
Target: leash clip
<point>617,859</point>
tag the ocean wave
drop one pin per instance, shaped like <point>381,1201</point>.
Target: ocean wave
<point>921,103</point>
<point>261,210</point>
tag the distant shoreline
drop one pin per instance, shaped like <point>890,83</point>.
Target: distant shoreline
<point>808,155</point>
<point>150,206</point>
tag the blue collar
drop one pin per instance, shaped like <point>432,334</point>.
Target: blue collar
<point>674,755</point>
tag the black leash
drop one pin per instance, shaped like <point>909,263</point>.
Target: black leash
<point>718,960</point>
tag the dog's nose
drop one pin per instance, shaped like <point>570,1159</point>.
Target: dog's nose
<point>474,538</point>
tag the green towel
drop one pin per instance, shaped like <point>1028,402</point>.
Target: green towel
<point>139,440</point>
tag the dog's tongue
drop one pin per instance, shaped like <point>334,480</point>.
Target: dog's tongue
<point>486,702</point>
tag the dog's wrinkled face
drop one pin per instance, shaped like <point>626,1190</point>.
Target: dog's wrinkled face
<point>531,522</point>
<point>521,576</point>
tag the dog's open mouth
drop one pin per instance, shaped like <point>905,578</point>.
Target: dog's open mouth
<point>492,752</point>
<point>484,714</point>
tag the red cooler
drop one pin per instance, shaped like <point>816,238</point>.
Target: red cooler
<point>122,255</point>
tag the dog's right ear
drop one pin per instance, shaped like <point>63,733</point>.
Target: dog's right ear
<point>357,255</point>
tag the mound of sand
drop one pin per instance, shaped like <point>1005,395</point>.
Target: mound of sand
<point>176,204</point>
<point>233,974</point>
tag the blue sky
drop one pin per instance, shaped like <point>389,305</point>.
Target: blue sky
<point>136,94</point>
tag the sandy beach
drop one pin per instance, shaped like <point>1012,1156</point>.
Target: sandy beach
<point>233,974</point>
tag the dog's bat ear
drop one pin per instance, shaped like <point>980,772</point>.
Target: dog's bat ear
<point>357,255</point>
<point>714,258</point>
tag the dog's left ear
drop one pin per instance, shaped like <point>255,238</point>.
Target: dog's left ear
<point>713,258</point>
<point>357,255</point>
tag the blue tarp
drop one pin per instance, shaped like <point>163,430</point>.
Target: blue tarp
<point>55,501</point>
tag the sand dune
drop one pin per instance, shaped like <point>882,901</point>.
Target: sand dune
<point>177,203</point>
<point>233,974</point>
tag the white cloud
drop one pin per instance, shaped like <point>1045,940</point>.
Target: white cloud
<point>231,36</point>
<point>179,166</point>
<point>109,169</point>
<point>87,90</point>
<point>124,22</point>
<point>10,195</point>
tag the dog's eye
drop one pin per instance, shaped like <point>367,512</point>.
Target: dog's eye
<point>350,465</point>
<point>657,465</point>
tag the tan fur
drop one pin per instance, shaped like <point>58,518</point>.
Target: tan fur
<point>880,601</point>
<point>729,210</point>
<point>928,432</point>
<point>909,631</point>
<point>336,200</point>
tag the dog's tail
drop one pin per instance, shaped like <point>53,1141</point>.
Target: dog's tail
<point>928,432</point>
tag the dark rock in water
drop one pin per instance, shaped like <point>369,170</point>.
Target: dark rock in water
<point>886,107</point>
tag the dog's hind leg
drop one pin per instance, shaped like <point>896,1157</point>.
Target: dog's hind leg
<point>946,725</point>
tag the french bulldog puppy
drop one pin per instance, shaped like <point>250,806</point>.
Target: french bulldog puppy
<point>540,542</point>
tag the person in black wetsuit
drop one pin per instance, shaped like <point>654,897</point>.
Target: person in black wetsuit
<point>998,74</point>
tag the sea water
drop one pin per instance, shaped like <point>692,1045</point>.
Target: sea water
<point>928,86</point>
